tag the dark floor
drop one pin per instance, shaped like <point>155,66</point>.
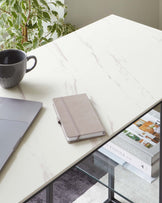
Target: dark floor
<point>71,184</point>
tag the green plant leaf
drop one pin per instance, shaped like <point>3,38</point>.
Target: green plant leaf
<point>49,28</point>
<point>33,20</point>
<point>58,32</point>
<point>53,3</point>
<point>53,28</point>
<point>40,32</point>
<point>40,14</point>
<point>65,14</point>
<point>14,14</point>
<point>40,28</point>
<point>45,3</point>
<point>7,2</point>
<point>35,3</point>
<point>50,40</point>
<point>46,16</point>
<point>55,13</point>
<point>18,20</point>
<point>10,22</point>
<point>43,43</point>
<point>23,5</point>
<point>28,48</point>
<point>30,26</point>
<point>59,3</point>
<point>39,23</point>
<point>12,2</point>
<point>19,37</point>
<point>17,7</point>
<point>45,39</point>
<point>19,46</point>
<point>35,42</point>
<point>4,17</point>
<point>24,17</point>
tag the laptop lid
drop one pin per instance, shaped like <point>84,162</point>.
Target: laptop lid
<point>16,116</point>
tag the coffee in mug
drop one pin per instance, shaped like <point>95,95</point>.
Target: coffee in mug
<point>13,66</point>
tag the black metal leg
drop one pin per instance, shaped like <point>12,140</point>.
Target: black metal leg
<point>160,174</point>
<point>111,182</point>
<point>108,166</point>
<point>49,193</point>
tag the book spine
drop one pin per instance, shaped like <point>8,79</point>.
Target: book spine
<point>128,166</point>
<point>128,157</point>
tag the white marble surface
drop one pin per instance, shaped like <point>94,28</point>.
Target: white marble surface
<point>117,62</point>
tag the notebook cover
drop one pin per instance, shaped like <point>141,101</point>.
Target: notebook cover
<point>77,117</point>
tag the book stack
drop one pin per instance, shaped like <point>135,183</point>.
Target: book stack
<point>138,146</point>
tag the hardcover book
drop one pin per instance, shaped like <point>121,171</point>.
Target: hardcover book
<point>77,117</point>
<point>139,144</point>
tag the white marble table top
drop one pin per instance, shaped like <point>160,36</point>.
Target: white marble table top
<point>117,62</point>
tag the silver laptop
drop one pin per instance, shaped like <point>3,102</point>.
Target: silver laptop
<point>16,116</point>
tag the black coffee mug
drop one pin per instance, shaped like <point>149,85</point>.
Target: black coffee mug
<point>13,66</point>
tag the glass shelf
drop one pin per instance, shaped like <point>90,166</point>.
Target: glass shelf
<point>120,183</point>
<point>120,179</point>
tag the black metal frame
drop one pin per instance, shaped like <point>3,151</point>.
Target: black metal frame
<point>111,184</point>
<point>160,171</point>
<point>108,165</point>
<point>49,193</point>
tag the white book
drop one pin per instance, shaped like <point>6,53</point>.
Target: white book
<point>139,144</point>
<point>127,166</point>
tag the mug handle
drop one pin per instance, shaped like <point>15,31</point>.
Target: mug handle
<point>35,63</point>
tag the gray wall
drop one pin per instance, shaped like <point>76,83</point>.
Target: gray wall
<point>83,12</point>
<point>160,14</point>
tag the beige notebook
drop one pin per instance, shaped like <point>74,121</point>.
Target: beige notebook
<point>77,117</point>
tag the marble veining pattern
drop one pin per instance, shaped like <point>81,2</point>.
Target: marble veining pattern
<point>115,61</point>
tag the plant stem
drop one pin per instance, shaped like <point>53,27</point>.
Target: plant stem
<point>5,11</point>
<point>24,34</point>
<point>24,28</point>
<point>29,11</point>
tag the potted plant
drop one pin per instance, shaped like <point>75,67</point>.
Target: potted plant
<point>27,24</point>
